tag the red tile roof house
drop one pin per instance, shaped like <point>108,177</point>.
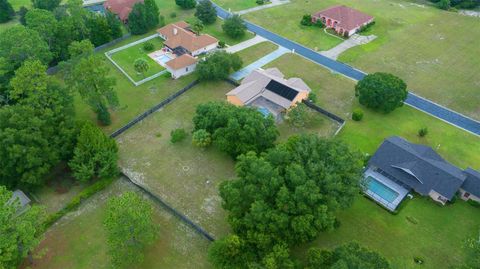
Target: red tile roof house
<point>344,20</point>
<point>121,8</point>
<point>185,45</point>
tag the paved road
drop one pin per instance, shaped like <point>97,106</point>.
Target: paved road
<point>427,106</point>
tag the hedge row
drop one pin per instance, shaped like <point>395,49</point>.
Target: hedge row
<point>78,199</point>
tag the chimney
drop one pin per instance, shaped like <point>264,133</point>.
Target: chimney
<point>175,31</point>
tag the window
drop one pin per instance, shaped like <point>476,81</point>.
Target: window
<point>466,195</point>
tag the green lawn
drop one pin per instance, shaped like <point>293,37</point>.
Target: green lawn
<point>236,5</point>
<point>78,240</point>
<point>126,58</point>
<point>255,52</point>
<point>437,237</point>
<point>434,51</point>
<point>16,4</point>
<point>216,30</point>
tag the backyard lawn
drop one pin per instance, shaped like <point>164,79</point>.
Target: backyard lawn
<point>126,59</point>
<point>216,31</point>
<point>434,51</point>
<point>236,5</point>
<point>255,52</point>
<point>421,229</point>
<point>178,246</point>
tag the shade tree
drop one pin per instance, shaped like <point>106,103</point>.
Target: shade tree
<point>46,4</point>
<point>186,4</point>
<point>141,66</point>
<point>206,12</point>
<point>218,65</point>
<point>234,26</point>
<point>6,11</point>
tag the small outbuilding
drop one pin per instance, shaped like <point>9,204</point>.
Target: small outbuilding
<point>344,20</point>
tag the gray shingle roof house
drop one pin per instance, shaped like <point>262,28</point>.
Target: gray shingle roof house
<point>420,168</point>
<point>471,187</point>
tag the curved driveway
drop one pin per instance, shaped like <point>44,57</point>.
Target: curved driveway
<point>420,103</point>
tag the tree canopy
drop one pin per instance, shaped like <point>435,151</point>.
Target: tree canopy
<point>206,12</point>
<point>44,22</point>
<point>6,11</point>
<point>20,233</point>
<point>46,4</point>
<point>236,130</point>
<point>95,155</point>
<point>141,66</point>
<point>130,228</point>
<point>218,65</point>
<point>234,26</point>
<point>381,91</point>
<point>350,255</point>
<point>186,4</point>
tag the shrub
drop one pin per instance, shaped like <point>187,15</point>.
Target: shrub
<point>221,44</point>
<point>202,138</point>
<point>357,114</point>
<point>319,24</point>
<point>260,2</point>
<point>173,15</point>
<point>418,260</point>
<point>412,219</point>
<point>299,116</point>
<point>306,20</point>
<point>186,4</point>
<point>474,203</point>
<point>177,135</point>
<point>312,97</point>
<point>218,65</point>
<point>148,46</point>
<point>423,131</point>
<point>444,4</point>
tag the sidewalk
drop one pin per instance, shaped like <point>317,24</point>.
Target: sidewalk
<point>259,63</point>
<point>245,44</point>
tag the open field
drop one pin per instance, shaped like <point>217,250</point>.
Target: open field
<point>78,240</point>
<point>236,5</point>
<point>253,53</point>
<point>440,230</point>
<point>216,31</point>
<point>434,51</point>
<point>126,59</point>
<point>437,237</point>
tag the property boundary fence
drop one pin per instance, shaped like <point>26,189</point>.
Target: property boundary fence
<point>324,112</point>
<point>136,83</point>
<point>172,210</point>
<point>153,109</point>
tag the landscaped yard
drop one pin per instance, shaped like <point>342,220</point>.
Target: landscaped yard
<point>126,58</point>
<point>236,5</point>
<point>255,52</point>
<point>78,240</point>
<point>435,51</point>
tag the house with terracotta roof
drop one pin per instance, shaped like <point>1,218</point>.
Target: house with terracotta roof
<point>344,20</point>
<point>121,8</point>
<point>182,46</point>
<point>269,91</point>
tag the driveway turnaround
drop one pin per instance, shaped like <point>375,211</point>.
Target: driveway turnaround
<point>420,103</point>
<point>259,63</point>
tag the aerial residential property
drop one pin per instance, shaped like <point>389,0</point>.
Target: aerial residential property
<point>218,134</point>
<point>399,166</point>
<point>346,21</point>
<point>182,48</point>
<point>269,91</point>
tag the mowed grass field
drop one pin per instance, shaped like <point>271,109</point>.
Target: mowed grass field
<point>434,51</point>
<point>236,5</point>
<point>440,231</point>
<point>255,52</point>
<point>78,240</point>
<point>126,59</point>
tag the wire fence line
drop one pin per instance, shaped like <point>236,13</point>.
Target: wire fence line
<point>169,208</point>
<point>324,112</point>
<point>153,109</point>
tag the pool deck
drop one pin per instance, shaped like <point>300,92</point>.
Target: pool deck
<point>402,192</point>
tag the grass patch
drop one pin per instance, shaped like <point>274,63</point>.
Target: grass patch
<point>255,52</point>
<point>236,5</point>
<point>437,237</point>
<point>126,58</point>
<point>217,31</point>
<point>434,51</point>
<point>79,240</point>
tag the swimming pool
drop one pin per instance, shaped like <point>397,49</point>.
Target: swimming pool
<point>163,58</point>
<point>264,111</point>
<point>381,189</point>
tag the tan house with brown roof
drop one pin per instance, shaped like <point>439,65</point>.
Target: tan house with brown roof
<point>269,90</point>
<point>344,20</point>
<point>184,45</point>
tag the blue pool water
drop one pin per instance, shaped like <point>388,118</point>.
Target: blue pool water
<point>381,190</point>
<point>264,111</point>
<point>164,58</point>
